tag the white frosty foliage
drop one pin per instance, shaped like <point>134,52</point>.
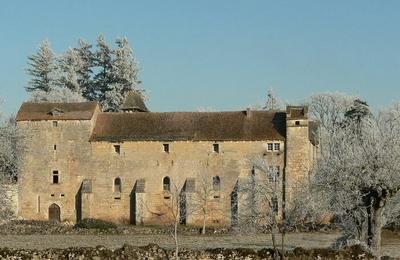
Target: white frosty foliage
<point>42,69</point>
<point>57,95</point>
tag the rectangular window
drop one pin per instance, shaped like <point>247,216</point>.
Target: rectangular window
<point>55,123</point>
<point>277,146</point>
<point>55,147</point>
<point>117,149</point>
<point>216,148</point>
<point>55,177</point>
<point>297,122</point>
<point>269,146</point>
<point>166,148</point>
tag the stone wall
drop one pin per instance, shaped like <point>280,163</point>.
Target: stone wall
<point>87,173</point>
<point>65,148</point>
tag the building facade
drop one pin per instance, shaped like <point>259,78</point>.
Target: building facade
<point>130,167</point>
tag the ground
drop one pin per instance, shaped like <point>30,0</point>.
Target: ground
<point>391,242</point>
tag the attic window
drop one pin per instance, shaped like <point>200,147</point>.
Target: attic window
<point>55,123</point>
<point>166,148</point>
<point>56,112</point>
<point>216,148</point>
<point>117,149</point>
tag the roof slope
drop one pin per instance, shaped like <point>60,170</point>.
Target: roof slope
<point>31,111</point>
<point>195,126</point>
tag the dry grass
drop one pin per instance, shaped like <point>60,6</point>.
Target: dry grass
<point>391,242</point>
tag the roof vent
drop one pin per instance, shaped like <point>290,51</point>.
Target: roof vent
<point>55,112</point>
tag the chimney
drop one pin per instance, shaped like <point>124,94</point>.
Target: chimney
<point>248,112</point>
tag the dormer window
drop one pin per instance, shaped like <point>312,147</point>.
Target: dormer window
<point>55,112</point>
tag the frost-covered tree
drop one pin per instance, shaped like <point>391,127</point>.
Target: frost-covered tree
<point>10,138</point>
<point>103,61</point>
<point>113,98</point>
<point>105,74</point>
<point>357,175</point>
<point>261,193</point>
<point>85,70</point>
<point>57,95</point>
<point>125,68</point>
<point>69,64</point>
<point>42,69</point>
<point>329,109</point>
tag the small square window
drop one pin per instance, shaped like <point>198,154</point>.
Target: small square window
<point>117,149</point>
<point>277,146</point>
<point>166,148</point>
<point>55,123</point>
<point>55,177</point>
<point>269,146</point>
<point>297,122</point>
<point>216,148</point>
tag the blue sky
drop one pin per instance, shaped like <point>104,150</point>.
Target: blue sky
<point>219,54</point>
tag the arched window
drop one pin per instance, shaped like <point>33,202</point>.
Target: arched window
<point>117,185</point>
<point>216,183</point>
<point>166,184</point>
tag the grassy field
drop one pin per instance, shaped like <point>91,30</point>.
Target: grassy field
<point>391,243</point>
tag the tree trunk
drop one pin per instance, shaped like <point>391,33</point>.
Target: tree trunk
<point>376,230</point>
<point>176,240</point>
<point>283,241</point>
<point>203,230</point>
<point>273,236</point>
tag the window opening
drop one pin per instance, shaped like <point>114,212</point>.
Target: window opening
<point>166,148</point>
<point>216,148</point>
<point>55,177</point>
<point>166,184</point>
<point>117,149</point>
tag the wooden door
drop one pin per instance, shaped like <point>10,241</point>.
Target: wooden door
<point>54,212</point>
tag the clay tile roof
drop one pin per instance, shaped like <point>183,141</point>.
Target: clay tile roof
<point>31,111</point>
<point>195,126</point>
<point>134,101</point>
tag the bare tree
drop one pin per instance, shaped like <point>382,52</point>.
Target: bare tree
<point>357,174</point>
<point>261,193</point>
<point>205,197</point>
<point>171,209</point>
<point>329,109</point>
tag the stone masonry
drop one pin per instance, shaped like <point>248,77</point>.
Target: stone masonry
<point>127,167</point>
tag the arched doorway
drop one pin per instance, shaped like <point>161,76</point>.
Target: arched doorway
<point>54,212</point>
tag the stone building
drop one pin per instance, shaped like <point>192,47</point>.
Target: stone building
<point>128,167</point>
